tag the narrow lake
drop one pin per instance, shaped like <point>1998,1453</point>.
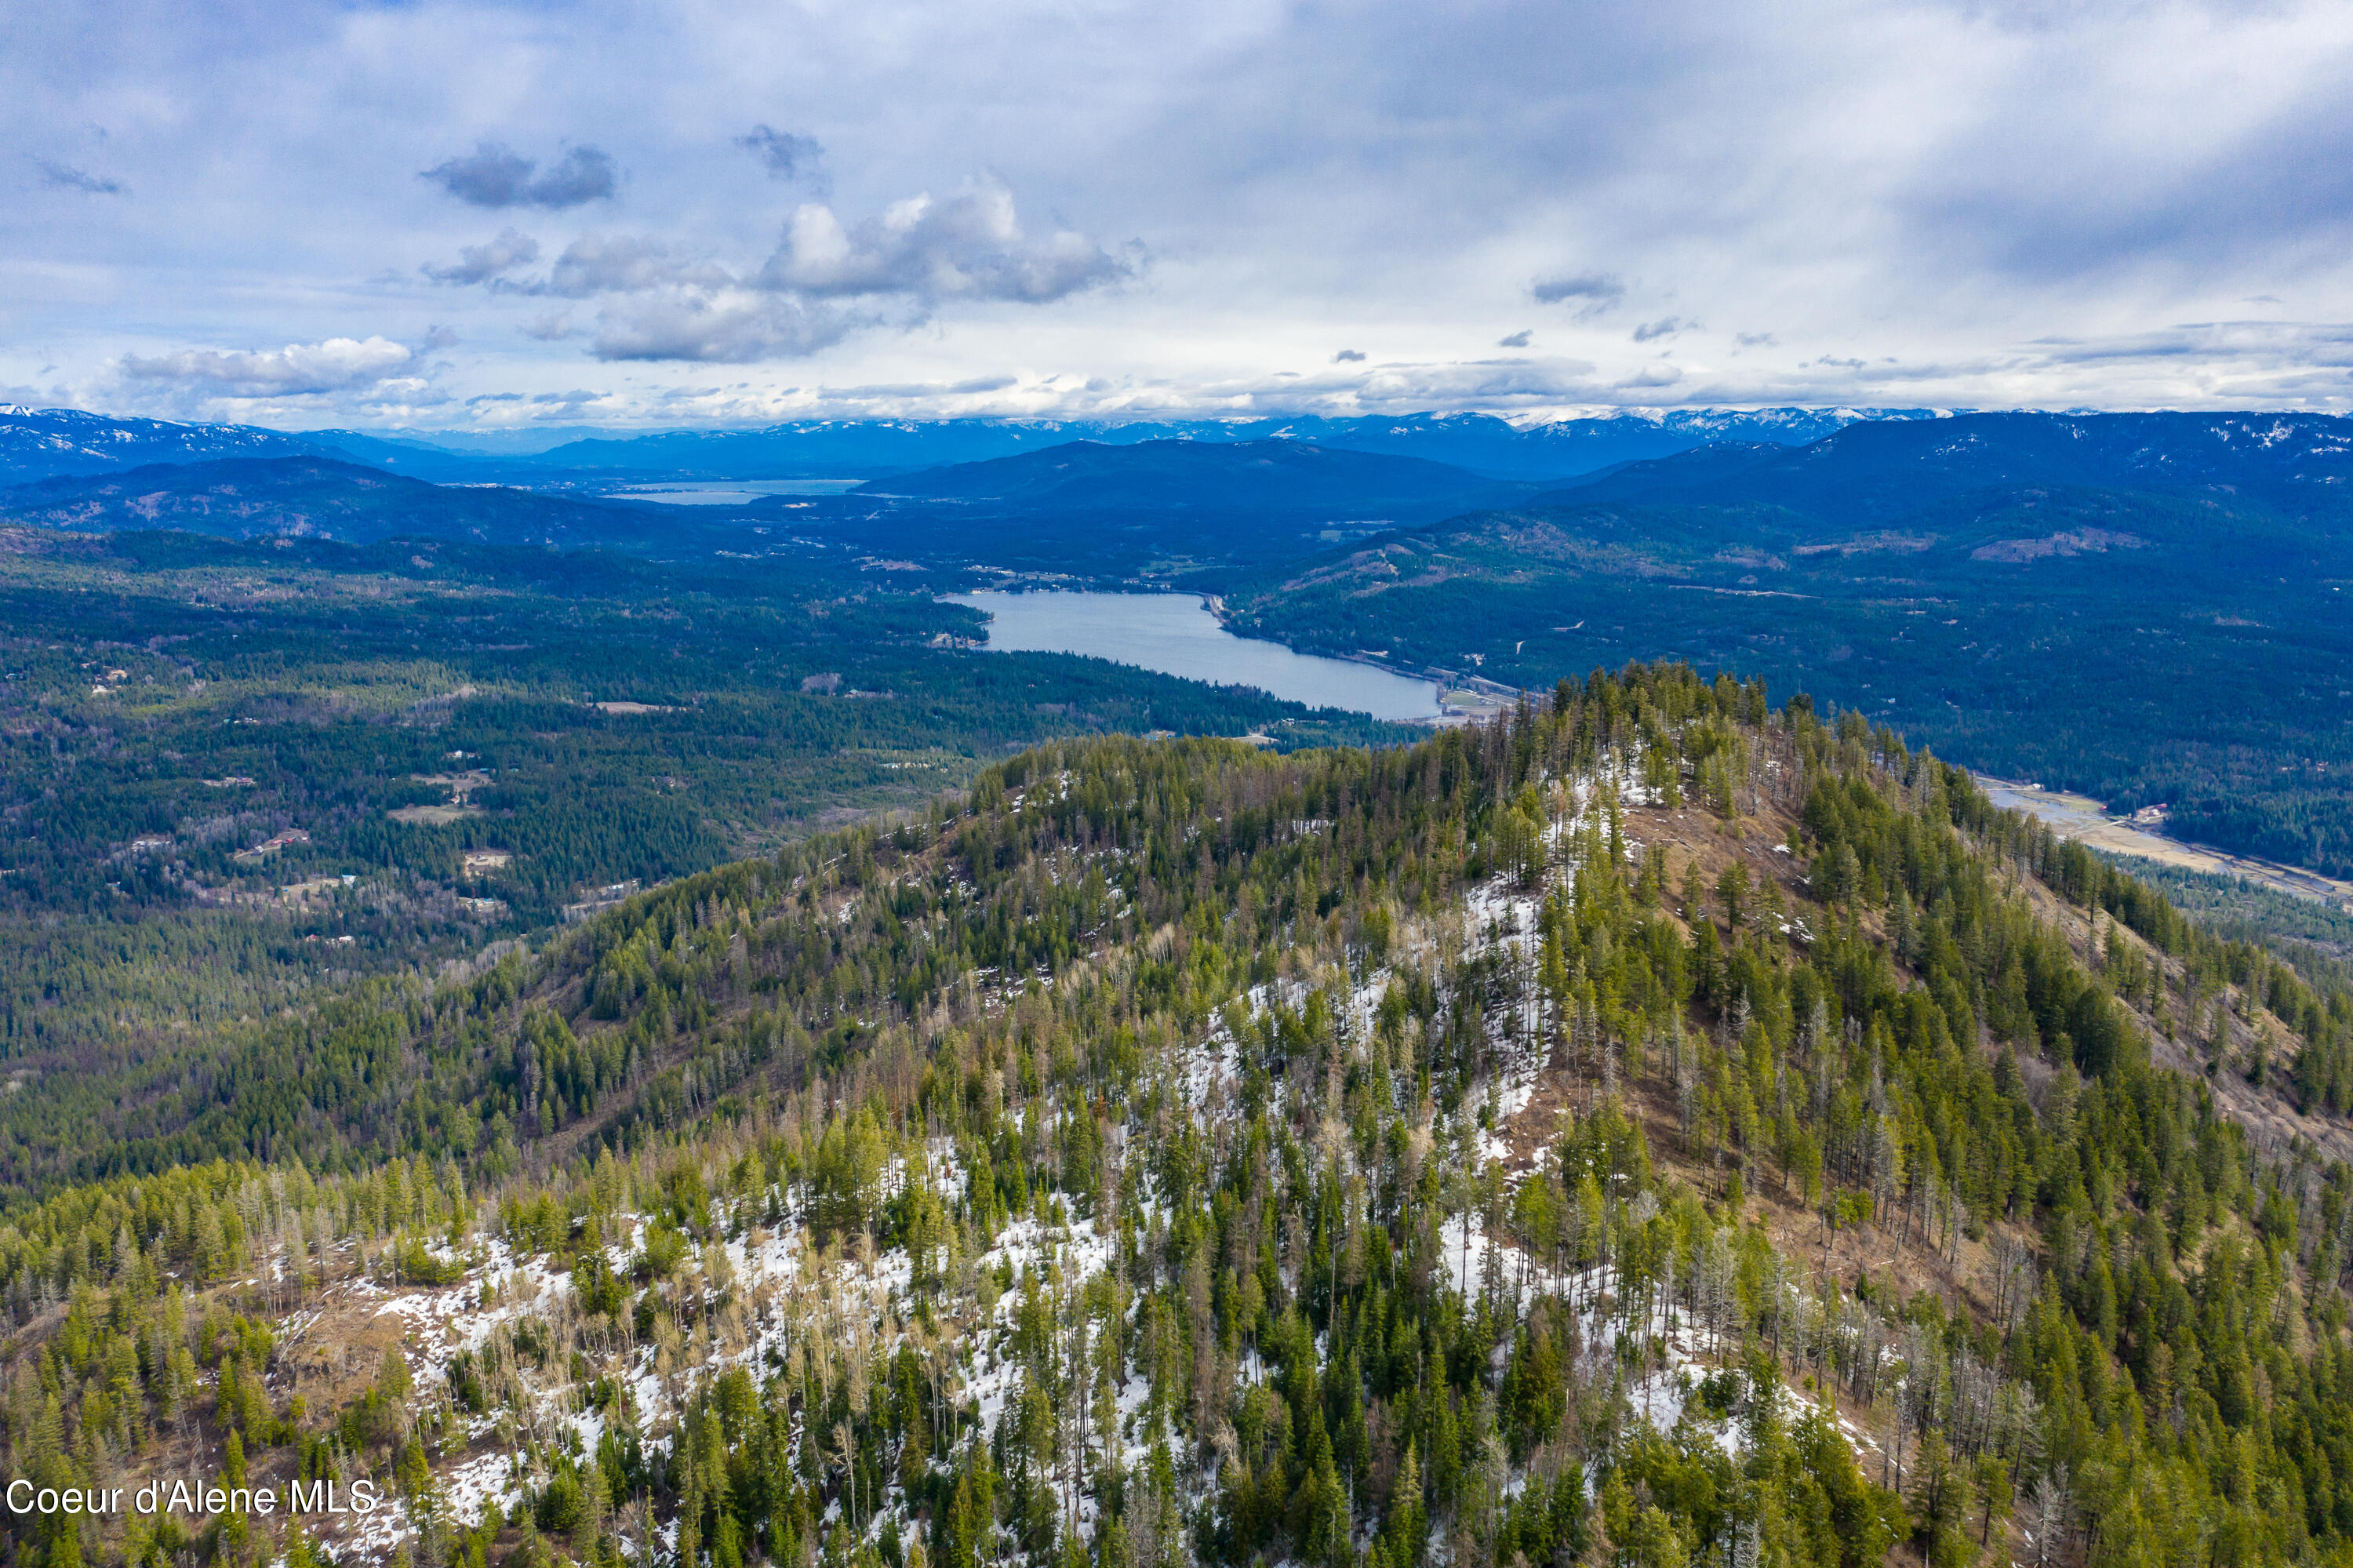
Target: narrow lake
<point>731,492</point>
<point>1176,635</point>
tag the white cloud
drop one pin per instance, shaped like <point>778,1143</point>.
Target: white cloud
<point>922,251</point>
<point>298,370</point>
<point>735,328</point>
<point>622,264</point>
<point>970,245</point>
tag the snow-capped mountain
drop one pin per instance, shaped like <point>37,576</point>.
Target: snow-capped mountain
<point>1556,448</point>
<point>40,443</point>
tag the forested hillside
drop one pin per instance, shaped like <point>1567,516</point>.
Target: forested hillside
<point>1187,475</point>
<point>318,498</point>
<point>1654,1130</point>
<point>2149,610</point>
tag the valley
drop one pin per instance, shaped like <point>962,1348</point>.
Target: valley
<point>191,727</point>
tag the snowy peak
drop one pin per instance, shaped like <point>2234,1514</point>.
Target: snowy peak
<point>42,443</point>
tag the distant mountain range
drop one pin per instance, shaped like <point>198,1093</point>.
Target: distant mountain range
<point>36,443</point>
<point>311,497</point>
<point>1480,442</point>
<point>1882,470</point>
<point>42,443</point>
<point>1286,475</point>
<point>2153,609</point>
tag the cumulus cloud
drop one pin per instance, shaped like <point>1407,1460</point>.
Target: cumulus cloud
<point>1519,339</point>
<point>65,177</point>
<point>496,175</point>
<point>733,329</point>
<point>783,154</point>
<point>1665,326</point>
<point>481,263</point>
<point>300,369</point>
<point>970,245</point>
<point>925,250</point>
<point>620,264</point>
<point>1349,356</point>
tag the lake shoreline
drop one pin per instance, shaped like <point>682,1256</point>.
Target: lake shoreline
<point>1184,634</point>
<point>1489,697</point>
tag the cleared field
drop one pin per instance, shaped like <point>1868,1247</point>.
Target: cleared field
<point>2081,818</point>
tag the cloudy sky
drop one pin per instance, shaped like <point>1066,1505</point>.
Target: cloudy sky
<point>436,214</point>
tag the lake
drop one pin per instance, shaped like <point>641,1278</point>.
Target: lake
<point>1176,635</point>
<point>732,492</point>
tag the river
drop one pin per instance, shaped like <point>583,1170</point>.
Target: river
<point>1176,635</point>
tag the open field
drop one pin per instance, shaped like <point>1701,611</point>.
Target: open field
<point>2086,821</point>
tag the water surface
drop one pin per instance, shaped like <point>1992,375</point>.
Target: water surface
<point>1176,635</point>
<point>732,492</point>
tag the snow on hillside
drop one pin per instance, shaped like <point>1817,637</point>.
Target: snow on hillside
<point>762,1293</point>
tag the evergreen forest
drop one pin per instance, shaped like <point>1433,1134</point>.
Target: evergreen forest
<point>1656,1128</point>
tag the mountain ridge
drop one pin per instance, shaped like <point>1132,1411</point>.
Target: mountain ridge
<point>1878,470</point>
<point>39,443</point>
<point>1190,474</point>
<point>309,497</point>
<point>1482,442</point>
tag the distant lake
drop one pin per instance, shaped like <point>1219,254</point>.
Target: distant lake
<point>732,492</point>
<point>1176,635</point>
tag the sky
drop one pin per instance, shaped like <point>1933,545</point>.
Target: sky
<point>495,217</point>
